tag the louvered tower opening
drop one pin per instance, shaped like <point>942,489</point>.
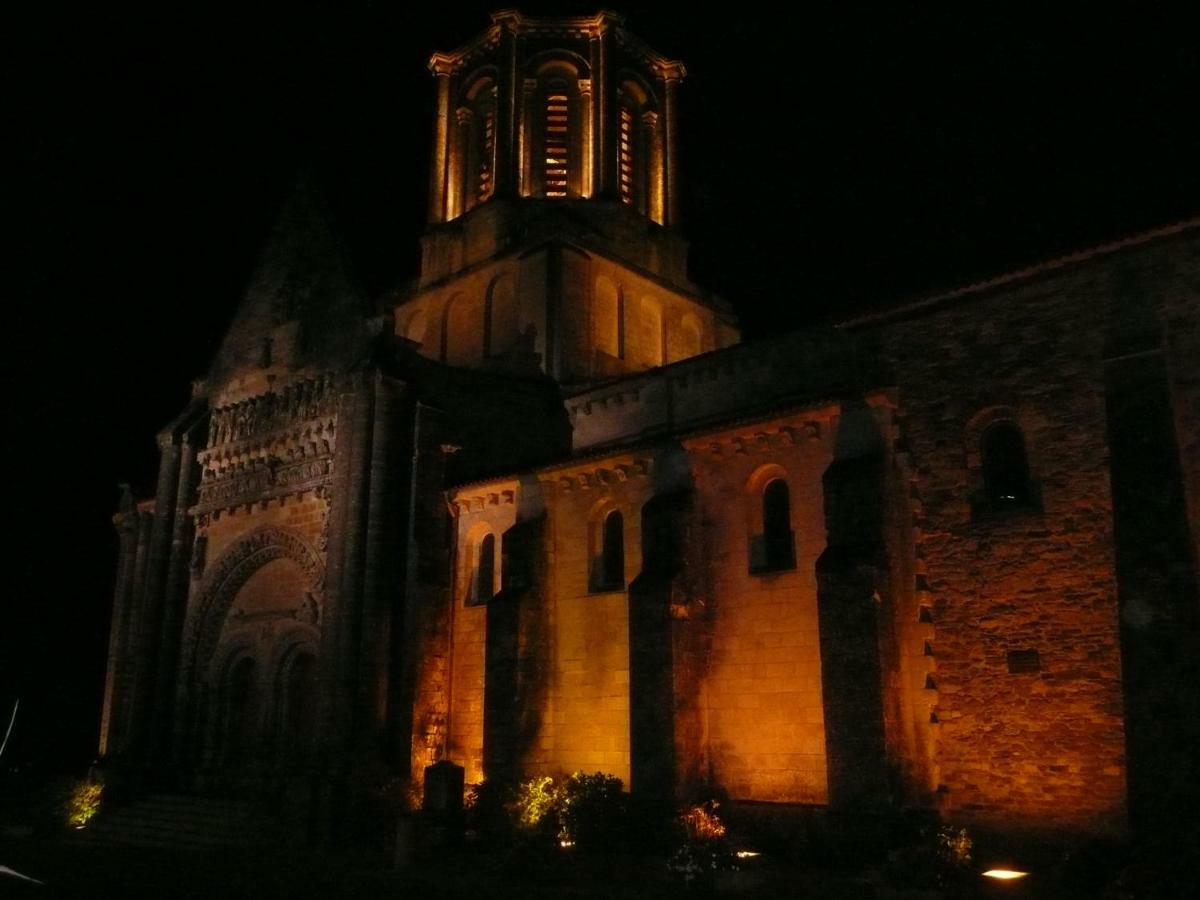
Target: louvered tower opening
<point>557,161</point>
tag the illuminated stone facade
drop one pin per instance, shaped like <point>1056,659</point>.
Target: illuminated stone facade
<point>543,512</point>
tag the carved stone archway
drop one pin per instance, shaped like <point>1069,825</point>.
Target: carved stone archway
<point>222,583</point>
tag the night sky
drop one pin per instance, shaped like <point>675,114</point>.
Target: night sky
<point>830,161</point>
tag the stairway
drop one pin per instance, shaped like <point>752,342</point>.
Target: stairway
<point>179,822</point>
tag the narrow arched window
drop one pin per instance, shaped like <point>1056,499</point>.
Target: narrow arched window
<point>485,570</point>
<point>608,566</point>
<point>779,546</point>
<point>1005,466</point>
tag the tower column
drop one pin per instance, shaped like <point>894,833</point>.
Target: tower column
<point>609,111</point>
<point>596,59</point>
<point>673,199</point>
<point>588,141</point>
<point>525,142</point>
<point>653,183</point>
<point>441,137</point>
<point>506,112</point>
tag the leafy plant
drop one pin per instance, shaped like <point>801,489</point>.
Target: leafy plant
<point>84,801</point>
<point>703,850</point>
<point>591,810</point>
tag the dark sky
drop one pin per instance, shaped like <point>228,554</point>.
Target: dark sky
<point>831,160</point>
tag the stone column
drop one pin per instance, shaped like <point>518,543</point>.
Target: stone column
<point>609,113</point>
<point>175,596</point>
<point>506,112</point>
<point>527,143</point>
<point>587,139</point>
<point>126,523</point>
<point>673,197</point>
<point>599,99</point>
<point>383,557</point>
<point>849,574</point>
<point>652,166</point>
<point>441,69</point>
<point>147,615</point>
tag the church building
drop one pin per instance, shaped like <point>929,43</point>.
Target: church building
<point>542,510</point>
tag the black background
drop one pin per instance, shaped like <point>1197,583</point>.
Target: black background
<point>831,160</point>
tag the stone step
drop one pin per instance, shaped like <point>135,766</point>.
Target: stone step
<point>181,822</point>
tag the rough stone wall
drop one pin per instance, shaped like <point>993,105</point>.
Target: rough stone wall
<point>766,738</point>
<point>1044,746</point>
<point>1178,304</point>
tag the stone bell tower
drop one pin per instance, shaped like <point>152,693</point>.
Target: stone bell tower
<point>553,235</point>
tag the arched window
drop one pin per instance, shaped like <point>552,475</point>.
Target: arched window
<point>779,545</point>
<point>636,140</point>
<point>608,556</point>
<point>477,124</point>
<point>1005,466</point>
<point>483,585</point>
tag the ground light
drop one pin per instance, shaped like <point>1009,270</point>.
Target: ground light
<point>1004,874</point>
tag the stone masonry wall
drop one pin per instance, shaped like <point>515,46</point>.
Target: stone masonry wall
<point>1046,746</point>
<point>763,706</point>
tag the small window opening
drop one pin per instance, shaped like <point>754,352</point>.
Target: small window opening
<point>609,565</point>
<point>1005,466</point>
<point>484,586</point>
<point>778,541</point>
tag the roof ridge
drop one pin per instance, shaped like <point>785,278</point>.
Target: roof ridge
<point>1031,271</point>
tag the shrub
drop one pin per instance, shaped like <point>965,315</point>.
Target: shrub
<point>701,824</point>
<point>584,810</point>
<point>939,857</point>
<point>84,801</point>
<point>536,803</point>
<point>702,850</point>
<point>592,810</point>
<point>489,806</point>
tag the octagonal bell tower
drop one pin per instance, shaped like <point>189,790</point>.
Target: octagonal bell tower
<point>553,237</point>
<point>556,108</point>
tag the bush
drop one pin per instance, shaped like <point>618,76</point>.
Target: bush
<point>592,810</point>
<point>702,849</point>
<point>84,801</point>
<point>940,857</point>
<point>588,811</point>
<point>488,805</point>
